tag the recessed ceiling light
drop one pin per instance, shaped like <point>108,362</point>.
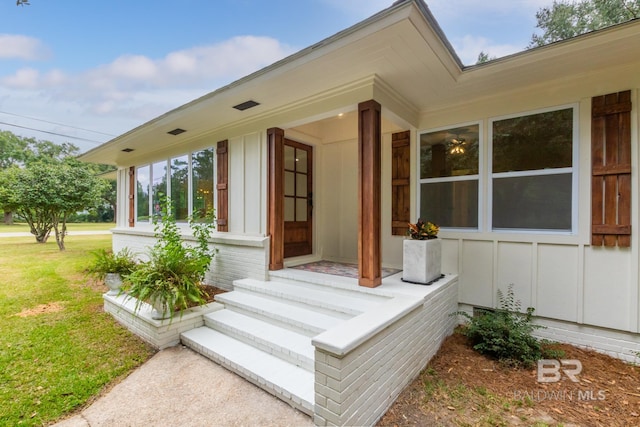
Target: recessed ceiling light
<point>127,150</point>
<point>176,131</point>
<point>246,105</point>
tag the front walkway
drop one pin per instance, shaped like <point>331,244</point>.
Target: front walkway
<point>179,387</point>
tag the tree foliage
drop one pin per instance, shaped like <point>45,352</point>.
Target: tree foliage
<point>566,19</point>
<point>484,57</point>
<point>45,194</point>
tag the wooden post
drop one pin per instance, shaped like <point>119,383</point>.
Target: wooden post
<point>275,197</point>
<point>369,194</point>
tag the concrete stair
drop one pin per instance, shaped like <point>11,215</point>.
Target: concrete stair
<point>264,332</point>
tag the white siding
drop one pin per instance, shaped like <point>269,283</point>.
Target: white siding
<point>607,287</point>
<point>557,284</point>
<point>339,209</point>
<point>514,267</point>
<point>476,275</point>
<point>246,184</point>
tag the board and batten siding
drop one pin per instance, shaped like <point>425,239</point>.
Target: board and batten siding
<point>563,277</point>
<point>247,184</point>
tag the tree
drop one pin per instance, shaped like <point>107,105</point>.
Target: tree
<point>20,151</point>
<point>45,194</point>
<point>566,19</point>
<point>484,57</point>
<point>13,149</point>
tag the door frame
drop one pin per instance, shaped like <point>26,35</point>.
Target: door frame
<point>275,197</point>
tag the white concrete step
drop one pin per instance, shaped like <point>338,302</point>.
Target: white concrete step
<point>289,383</point>
<point>317,296</point>
<point>336,284</point>
<point>303,320</point>
<point>281,342</point>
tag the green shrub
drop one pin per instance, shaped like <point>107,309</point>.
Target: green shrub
<point>505,333</point>
<point>105,261</point>
<point>171,278</point>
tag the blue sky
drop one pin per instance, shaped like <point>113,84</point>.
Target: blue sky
<point>108,66</point>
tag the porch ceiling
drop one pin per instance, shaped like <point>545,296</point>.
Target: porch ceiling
<point>401,46</point>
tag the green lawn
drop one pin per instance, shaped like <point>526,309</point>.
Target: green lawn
<point>78,226</point>
<point>57,346</point>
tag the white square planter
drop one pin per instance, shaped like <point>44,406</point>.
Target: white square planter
<point>421,260</point>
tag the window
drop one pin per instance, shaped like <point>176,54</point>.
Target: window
<point>158,186</point>
<point>180,188</point>
<point>449,176</point>
<point>202,179</point>
<point>296,189</point>
<point>532,175</point>
<point>188,180</point>
<point>142,196</point>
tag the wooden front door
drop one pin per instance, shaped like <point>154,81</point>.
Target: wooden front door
<point>298,199</point>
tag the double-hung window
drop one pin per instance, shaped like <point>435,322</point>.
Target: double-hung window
<point>533,180</point>
<point>449,176</point>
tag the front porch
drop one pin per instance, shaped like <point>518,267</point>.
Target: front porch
<point>337,351</point>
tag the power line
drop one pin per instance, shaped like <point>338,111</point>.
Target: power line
<point>55,123</point>
<point>53,133</point>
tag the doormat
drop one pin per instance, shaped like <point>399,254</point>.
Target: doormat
<point>339,269</point>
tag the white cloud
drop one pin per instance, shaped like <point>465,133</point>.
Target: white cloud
<point>133,89</point>
<point>22,47</point>
<point>24,78</point>
<point>201,68</point>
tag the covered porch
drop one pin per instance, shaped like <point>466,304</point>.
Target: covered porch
<point>334,192</point>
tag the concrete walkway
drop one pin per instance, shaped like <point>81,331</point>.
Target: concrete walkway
<point>69,233</point>
<point>178,387</point>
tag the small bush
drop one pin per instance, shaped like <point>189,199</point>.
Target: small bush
<point>105,261</point>
<point>171,278</point>
<point>505,333</point>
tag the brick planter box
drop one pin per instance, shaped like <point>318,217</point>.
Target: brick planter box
<point>159,333</point>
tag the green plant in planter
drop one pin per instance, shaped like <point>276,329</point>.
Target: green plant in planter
<point>110,267</point>
<point>423,230</point>
<point>106,261</point>
<point>170,280</point>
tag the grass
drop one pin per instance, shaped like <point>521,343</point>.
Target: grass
<point>64,353</point>
<point>77,226</point>
<point>473,406</point>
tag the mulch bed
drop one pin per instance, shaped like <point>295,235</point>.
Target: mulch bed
<point>210,292</point>
<point>461,387</point>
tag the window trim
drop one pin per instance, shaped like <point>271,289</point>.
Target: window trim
<point>479,177</point>
<point>574,170</point>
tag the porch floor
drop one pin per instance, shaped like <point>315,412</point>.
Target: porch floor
<point>339,268</point>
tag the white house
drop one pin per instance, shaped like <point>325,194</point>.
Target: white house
<point>529,164</point>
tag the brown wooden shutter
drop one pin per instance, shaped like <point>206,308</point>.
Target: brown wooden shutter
<point>222,163</point>
<point>400,183</point>
<point>611,170</point>
<point>132,196</point>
